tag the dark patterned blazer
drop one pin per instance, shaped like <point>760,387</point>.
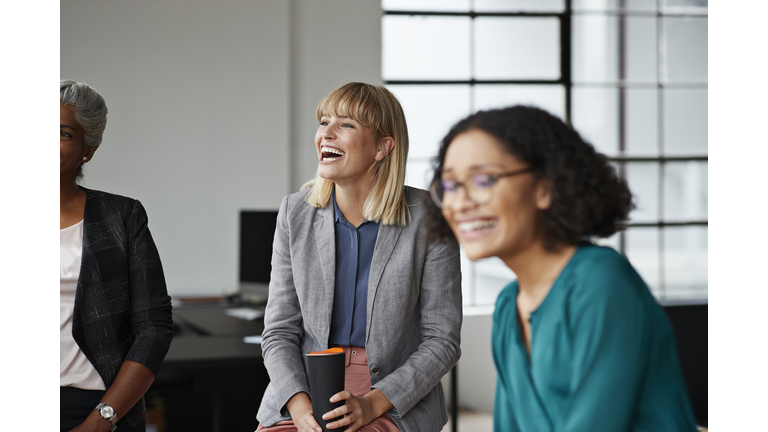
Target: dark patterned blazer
<point>122,309</point>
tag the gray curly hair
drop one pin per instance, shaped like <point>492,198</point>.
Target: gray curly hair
<point>89,109</point>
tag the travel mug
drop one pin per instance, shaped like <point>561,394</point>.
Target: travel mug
<point>326,378</point>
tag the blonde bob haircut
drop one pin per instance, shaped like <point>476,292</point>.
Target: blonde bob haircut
<point>376,108</point>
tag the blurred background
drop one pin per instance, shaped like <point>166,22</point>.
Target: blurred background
<point>629,75</point>
<point>212,111</point>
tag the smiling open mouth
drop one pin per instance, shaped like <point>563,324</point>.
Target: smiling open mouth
<point>330,154</point>
<point>476,225</point>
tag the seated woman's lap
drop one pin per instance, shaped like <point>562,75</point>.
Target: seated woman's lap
<point>381,424</point>
<point>356,381</point>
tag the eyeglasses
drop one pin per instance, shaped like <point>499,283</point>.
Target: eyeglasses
<point>479,188</point>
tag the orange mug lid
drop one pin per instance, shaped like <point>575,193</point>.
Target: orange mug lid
<point>329,351</point>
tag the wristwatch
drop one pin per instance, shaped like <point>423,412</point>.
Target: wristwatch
<point>107,413</point>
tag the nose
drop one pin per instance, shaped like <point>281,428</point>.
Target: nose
<point>328,132</point>
<point>461,201</point>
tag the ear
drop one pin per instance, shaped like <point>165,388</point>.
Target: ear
<point>89,151</point>
<point>385,146</point>
<point>543,193</point>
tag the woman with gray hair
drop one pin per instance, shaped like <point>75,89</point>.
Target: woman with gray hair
<point>115,320</point>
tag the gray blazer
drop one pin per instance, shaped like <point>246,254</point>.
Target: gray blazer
<point>413,315</point>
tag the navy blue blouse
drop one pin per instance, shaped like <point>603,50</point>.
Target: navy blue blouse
<point>354,253</point>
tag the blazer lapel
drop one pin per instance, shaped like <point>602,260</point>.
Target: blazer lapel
<point>386,241</point>
<point>89,274</point>
<point>325,238</point>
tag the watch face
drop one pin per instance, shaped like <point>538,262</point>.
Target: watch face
<point>107,412</point>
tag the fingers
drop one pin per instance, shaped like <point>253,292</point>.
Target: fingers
<point>340,396</point>
<point>346,421</point>
<point>352,411</point>
<point>348,408</point>
<point>338,412</point>
<point>307,423</point>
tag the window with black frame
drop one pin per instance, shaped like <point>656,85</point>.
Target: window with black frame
<point>629,75</point>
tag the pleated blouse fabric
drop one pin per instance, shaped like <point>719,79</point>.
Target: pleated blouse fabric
<point>603,355</point>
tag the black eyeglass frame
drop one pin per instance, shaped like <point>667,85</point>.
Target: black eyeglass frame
<point>434,194</point>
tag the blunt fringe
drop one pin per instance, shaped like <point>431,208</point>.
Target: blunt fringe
<point>376,108</point>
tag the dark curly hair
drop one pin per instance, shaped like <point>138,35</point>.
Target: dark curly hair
<point>588,198</point>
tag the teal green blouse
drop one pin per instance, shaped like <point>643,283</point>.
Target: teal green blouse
<point>602,356</point>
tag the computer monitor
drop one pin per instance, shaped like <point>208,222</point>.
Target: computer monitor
<point>257,231</point>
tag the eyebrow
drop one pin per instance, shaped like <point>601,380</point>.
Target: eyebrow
<point>66,126</point>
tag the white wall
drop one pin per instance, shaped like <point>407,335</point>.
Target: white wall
<point>205,102</point>
<point>477,373</point>
<point>330,46</point>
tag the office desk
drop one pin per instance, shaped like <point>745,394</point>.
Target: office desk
<point>211,321</point>
<point>210,380</point>
<point>211,351</point>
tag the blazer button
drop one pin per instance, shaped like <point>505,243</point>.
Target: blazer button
<point>375,370</point>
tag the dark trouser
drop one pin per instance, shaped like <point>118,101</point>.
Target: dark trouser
<point>76,404</point>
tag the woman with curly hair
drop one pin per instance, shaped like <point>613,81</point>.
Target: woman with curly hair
<point>578,341</point>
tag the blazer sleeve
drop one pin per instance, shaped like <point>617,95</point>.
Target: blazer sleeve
<point>283,324</point>
<point>150,317</point>
<point>440,328</point>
